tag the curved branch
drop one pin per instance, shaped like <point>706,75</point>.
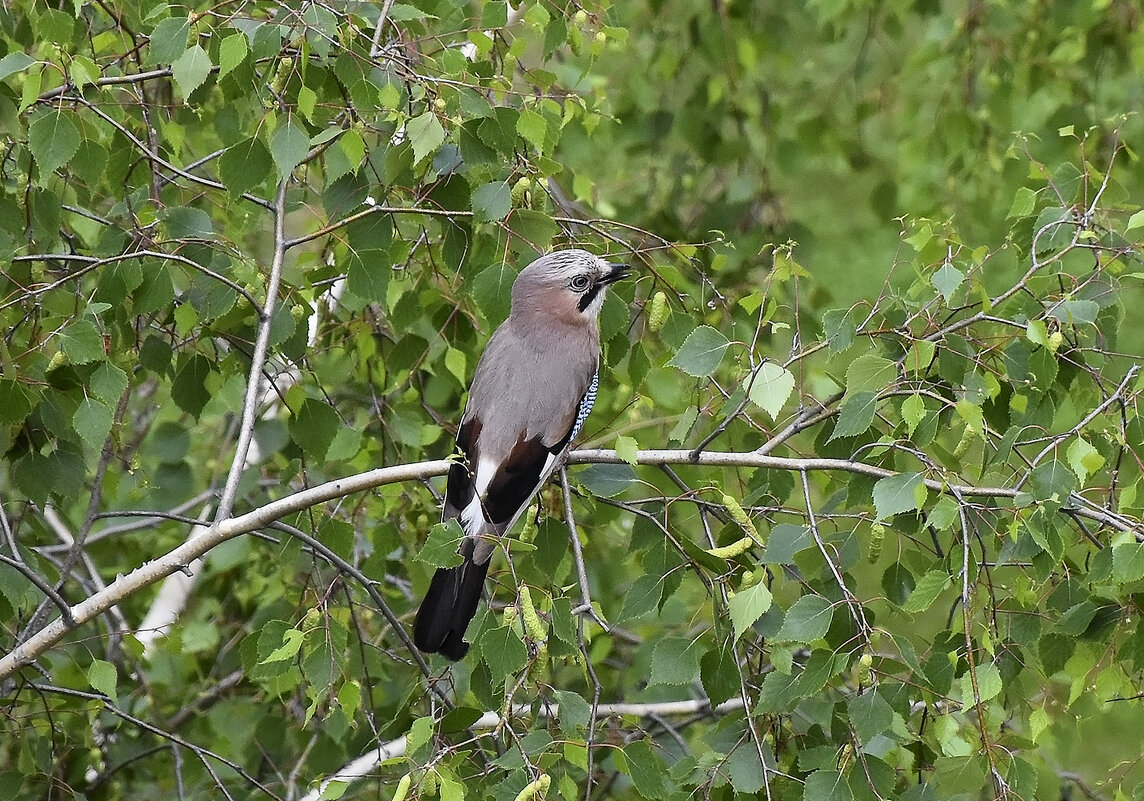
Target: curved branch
<point>325,230</point>
<point>91,263</point>
<point>222,531</point>
<point>263,516</point>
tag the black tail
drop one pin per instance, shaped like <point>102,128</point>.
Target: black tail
<point>448,607</point>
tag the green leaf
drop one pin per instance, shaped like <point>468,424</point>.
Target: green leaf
<point>187,222</point>
<point>288,146</point>
<point>675,660</point>
<point>928,588</point>
<point>920,357</point>
<point>747,606</point>
<point>627,448</point>
<point>53,139</point>
<point>779,692</point>
<point>1023,203</point>
<point>784,542</point>
<point>870,715</point>
<point>307,101</point>
<point>313,428</point>
<point>367,278</point>
<point>1037,333</point>
<point>191,69</point>
<point>11,782</point>
<point>839,329</point>
<point>1083,458</point>
<point>826,785</point>
<point>719,673</point>
<point>913,412</point>
<point>168,40</point>
<point>92,421</point>
<point>457,364</point>
<point>606,480</point>
<point>188,389</point>
<point>1074,312</point>
<point>905,492</point>
<point>425,135</point>
<point>81,342</point>
<point>503,651</point>
<point>291,644</point>
<point>103,678</point>
<point>647,770</point>
<point>988,684</point>
<point>807,620</point>
<point>870,373</point>
<point>946,281</point>
<point>352,146</point>
<point>420,734</point>
<point>231,53</point>
<point>574,713</point>
<point>15,62</point>
<point>1128,562</point>
<point>83,71</point>
<point>701,352</point>
<point>533,128</point>
<point>244,165</point>
<point>1135,221</point>
<point>1052,481</point>
<point>440,549</point>
<point>15,404</point>
<point>856,414</point>
<point>745,769</point>
<point>535,228</point>
<point>492,201</point>
<point>492,290</point>
<point>771,387</point>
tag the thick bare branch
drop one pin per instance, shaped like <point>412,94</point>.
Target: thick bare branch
<point>183,555</point>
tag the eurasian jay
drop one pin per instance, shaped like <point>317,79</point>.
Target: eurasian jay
<point>532,390</point>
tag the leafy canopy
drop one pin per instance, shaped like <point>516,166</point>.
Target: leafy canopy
<point>858,510</point>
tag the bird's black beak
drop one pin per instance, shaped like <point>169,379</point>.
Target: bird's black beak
<point>615,273</point>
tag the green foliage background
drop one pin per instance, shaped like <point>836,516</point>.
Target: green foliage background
<point>864,483</point>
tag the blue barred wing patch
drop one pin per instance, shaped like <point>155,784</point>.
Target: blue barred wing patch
<point>585,405</point>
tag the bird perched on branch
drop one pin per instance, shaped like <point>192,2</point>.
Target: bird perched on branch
<point>533,387</point>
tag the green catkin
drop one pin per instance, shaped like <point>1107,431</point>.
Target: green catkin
<point>532,623</point>
<point>656,311</point>
<point>877,535</point>
<point>736,548</point>
<point>402,788</point>
<point>532,789</point>
<point>739,516</point>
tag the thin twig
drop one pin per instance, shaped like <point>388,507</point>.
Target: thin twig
<point>852,603</point>
<point>578,551</point>
<point>257,359</point>
<point>43,586</point>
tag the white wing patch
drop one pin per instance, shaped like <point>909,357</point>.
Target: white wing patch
<point>473,515</point>
<point>585,405</point>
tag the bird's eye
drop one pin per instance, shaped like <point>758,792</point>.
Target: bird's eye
<point>580,283</point>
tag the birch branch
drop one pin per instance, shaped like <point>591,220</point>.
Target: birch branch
<point>258,518</point>
<point>183,555</point>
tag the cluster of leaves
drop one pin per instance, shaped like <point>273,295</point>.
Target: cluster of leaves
<point>250,247</point>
